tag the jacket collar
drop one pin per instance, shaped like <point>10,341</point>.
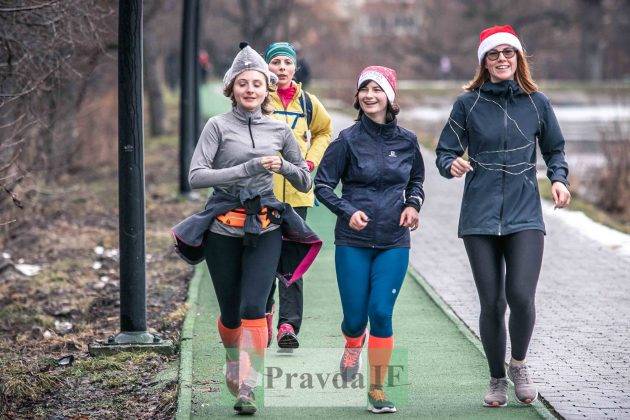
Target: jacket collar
<point>375,129</point>
<point>244,115</point>
<point>298,88</point>
<point>505,88</point>
<point>277,103</point>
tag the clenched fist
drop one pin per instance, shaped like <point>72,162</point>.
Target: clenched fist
<point>359,220</point>
<point>459,167</point>
<point>561,195</point>
<point>271,163</point>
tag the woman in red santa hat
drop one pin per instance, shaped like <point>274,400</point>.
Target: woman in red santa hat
<point>381,170</point>
<point>498,122</point>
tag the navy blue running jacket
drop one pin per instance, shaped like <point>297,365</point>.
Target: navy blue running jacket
<point>381,171</point>
<point>499,126</point>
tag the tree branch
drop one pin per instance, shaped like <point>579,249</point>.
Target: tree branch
<point>27,8</point>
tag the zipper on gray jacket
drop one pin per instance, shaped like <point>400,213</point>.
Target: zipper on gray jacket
<point>249,125</point>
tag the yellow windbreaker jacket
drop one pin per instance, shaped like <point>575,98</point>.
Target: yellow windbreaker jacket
<point>312,146</point>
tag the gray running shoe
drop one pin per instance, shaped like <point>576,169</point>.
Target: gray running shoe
<point>497,393</point>
<point>524,387</point>
<point>245,403</point>
<point>350,364</point>
<point>378,402</point>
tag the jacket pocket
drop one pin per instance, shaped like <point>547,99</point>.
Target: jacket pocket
<point>532,183</point>
<point>469,179</point>
<point>525,207</point>
<point>343,231</point>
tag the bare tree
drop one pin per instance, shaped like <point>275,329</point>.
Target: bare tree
<point>153,67</point>
<point>48,52</point>
<point>227,22</point>
<point>593,44</point>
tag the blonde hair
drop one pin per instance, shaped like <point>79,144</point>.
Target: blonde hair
<point>522,76</point>
<point>266,107</point>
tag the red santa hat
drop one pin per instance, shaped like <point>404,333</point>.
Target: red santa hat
<point>497,35</point>
<point>384,76</point>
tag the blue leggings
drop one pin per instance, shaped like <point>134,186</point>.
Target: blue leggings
<point>369,281</point>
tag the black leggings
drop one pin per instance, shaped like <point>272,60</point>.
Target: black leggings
<point>506,270</point>
<point>242,275</point>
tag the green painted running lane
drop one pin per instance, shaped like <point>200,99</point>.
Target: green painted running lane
<point>447,375</point>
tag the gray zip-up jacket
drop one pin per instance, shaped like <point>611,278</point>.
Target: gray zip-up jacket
<point>230,147</point>
<point>229,151</point>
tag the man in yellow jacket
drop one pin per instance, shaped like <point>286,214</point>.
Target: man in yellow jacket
<point>312,129</point>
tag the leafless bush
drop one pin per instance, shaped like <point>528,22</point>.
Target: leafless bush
<point>614,180</point>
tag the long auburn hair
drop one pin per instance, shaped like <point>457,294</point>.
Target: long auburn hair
<point>266,107</point>
<point>522,76</point>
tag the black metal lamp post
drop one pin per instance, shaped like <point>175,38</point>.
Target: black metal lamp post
<point>133,317</point>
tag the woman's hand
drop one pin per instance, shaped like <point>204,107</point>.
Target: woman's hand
<point>359,220</point>
<point>410,218</point>
<point>459,167</point>
<point>271,163</point>
<point>561,195</point>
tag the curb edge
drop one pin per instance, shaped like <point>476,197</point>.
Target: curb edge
<point>184,395</point>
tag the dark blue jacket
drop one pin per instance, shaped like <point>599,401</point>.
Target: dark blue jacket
<point>381,171</point>
<point>500,124</point>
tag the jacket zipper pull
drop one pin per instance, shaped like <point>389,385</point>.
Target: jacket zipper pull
<point>249,125</point>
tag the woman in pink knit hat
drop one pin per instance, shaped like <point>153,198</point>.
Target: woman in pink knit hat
<point>498,122</point>
<point>381,170</point>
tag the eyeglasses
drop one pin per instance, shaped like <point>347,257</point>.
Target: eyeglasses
<point>493,55</point>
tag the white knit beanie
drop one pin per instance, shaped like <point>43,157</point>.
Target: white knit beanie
<point>248,59</point>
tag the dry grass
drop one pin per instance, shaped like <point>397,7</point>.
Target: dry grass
<point>613,182</point>
<point>80,213</point>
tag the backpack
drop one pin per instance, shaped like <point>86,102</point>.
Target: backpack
<point>307,107</point>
